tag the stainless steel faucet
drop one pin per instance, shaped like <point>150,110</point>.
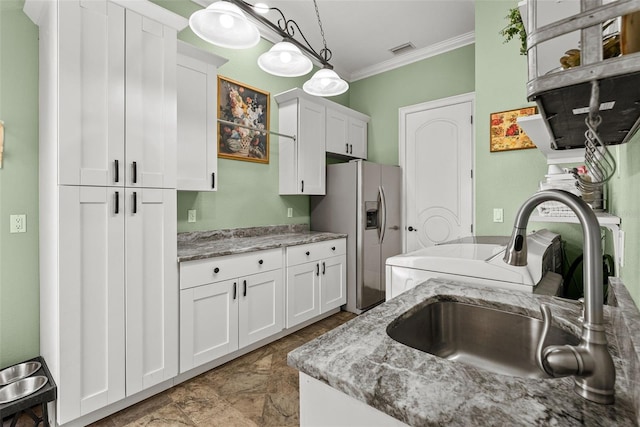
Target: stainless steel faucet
<point>589,362</point>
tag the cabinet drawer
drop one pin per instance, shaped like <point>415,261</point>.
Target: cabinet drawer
<point>315,251</point>
<point>200,272</point>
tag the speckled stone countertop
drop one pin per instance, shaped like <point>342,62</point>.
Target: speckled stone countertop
<point>420,389</point>
<point>208,244</point>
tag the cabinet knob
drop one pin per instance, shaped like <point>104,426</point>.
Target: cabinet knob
<point>333,248</point>
<point>216,270</point>
<point>261,262</point>
<point>308,253</point>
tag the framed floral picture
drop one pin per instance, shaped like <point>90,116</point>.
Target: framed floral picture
<point>505,134</point>
<point>243,132</point>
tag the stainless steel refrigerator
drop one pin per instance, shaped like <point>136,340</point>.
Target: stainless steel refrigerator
<point>363,201</point>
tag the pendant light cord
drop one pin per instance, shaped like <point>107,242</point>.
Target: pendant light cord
<point>325,52</point>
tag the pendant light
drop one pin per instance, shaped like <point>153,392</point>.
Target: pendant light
<point>325,82</point>
<point>284,59</point>
<point>223,24</point>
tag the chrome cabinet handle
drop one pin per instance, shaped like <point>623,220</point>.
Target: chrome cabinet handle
<point>235,288</point>
<point>317,269</point>
<point>135,172</point>
<point>323,268</point>
<point>117,170</point>
<point>117,196</point>
<point>244,293</point>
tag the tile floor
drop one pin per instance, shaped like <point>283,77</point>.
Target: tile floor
<point>257,389</point>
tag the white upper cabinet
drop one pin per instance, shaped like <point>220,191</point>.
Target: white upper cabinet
<point>319,127</point>
<point>91,91</point>
<point>302,161</point>
<point>117,101</point>
<point>346,133</point>
<point>197,102</point>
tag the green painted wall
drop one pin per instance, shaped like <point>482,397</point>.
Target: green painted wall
<point>19,286</point>
<point>381,96</point>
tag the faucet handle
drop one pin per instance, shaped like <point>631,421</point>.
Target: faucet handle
<point>546,324</point>
<point>557,360</point>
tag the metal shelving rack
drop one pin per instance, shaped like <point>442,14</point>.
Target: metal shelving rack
<point>565,97</point>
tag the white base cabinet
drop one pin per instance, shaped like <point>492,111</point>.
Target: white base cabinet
<point>246,305</point>
<point>118,314</point>
<point>228,303</point>
<point>316,279</point>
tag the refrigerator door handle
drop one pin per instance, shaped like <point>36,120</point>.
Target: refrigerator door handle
<point>382,226</point>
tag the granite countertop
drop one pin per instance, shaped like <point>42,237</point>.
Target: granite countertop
<point>208,244</point>
<point>361,360</point>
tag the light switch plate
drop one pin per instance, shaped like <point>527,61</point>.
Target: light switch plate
<point>289,212</point>
<point>18,223</point>
<point>191,215</point>
<point>498,215</point>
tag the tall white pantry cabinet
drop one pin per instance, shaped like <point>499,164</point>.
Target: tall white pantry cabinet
<point>108,263</point>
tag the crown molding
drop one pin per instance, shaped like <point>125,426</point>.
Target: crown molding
<point>414,56</point>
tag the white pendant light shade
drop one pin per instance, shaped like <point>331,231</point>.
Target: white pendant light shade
<point>223,24</point>
<point>284,59</point>
<point>325,82</point>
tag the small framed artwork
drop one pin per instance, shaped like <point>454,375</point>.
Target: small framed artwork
<point>243,133</point>
<point>505,134</point>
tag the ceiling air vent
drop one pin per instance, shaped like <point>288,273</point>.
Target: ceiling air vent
<point>403,48</point>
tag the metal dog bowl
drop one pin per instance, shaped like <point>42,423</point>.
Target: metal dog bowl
<point>17,372</point>
<point>21,388</point>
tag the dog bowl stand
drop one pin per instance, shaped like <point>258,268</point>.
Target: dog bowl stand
<point>13,410</point>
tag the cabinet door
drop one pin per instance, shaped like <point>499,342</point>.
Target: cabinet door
<point>208,323</point>
<point>261,306</point>
<point>91,299</point>
<point>303,292</point>
<point>337,133</point>
<point>357,138</point>
<point>151,287</point>
<point>311,148</point>
<point>91,93</point>
<point>197,139</point>
<point>150,103</point>
<point>333,283</point>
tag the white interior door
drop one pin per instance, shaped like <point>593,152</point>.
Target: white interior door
<point>437,155</point>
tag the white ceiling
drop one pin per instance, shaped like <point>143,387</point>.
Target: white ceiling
<point>361,32</point>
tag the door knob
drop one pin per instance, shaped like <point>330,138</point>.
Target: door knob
<point>412,229</point>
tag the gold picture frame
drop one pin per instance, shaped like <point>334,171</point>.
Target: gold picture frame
<point>504,132</point>
<point>248,106</point>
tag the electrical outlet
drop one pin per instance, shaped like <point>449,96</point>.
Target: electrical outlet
<point>289,212</point>
<point>498,215</point>
<point>18,223</point>
<point>191,215</point>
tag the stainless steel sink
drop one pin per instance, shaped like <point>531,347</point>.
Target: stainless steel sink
<point>495,340</point>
